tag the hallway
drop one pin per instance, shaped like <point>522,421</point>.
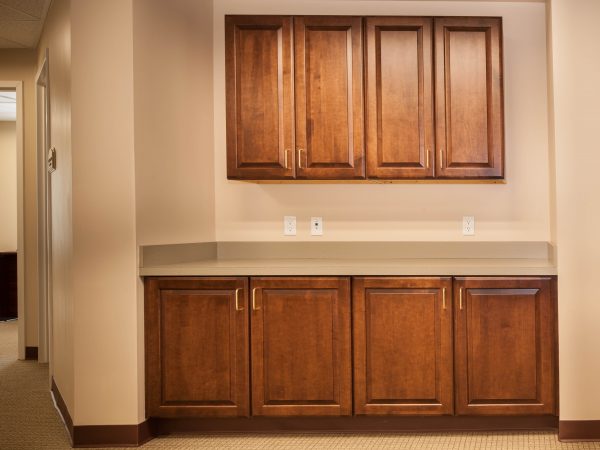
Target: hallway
<point>28,421</point>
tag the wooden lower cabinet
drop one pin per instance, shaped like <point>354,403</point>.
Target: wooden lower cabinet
<point>505,346</point>
<point>419,346</point>
<point>301,349</point>
<point>402,331</point>
<point>197,347</point>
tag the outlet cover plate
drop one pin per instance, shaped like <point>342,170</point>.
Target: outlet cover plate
<point>316,226</point>
<point>468,226</point>
<point>289,225</point>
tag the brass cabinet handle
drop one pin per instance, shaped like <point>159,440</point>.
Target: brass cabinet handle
<point>285,158</point>
<point>254,308</point>
<point>444,298</point>
<point>427,160</point>
<point>441,158</point>
<point>300,150</point>
<point>460,298</point>
<point>237,300</point>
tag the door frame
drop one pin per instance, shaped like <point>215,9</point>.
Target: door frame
<point>44,214</point>
<point>17,86</point>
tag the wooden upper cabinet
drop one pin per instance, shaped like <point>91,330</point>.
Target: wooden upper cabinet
<point>403,360</point>
<point>185,377</point>
<point>400,132</point>
<point>505,346</point>
<point>300,350</point>
<point>431,106</point>
<point>260,111</point>
<point>329,97</point>
<point>469,97</point>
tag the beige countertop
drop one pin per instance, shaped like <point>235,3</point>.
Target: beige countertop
<point>484,258</point>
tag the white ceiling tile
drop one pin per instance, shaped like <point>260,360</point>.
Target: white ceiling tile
<point>34,8</point>
<point>7,13</point>
<point>21,22</point>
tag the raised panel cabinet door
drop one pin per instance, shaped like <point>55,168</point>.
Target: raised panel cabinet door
<point>300,350</point>
<point>329,97</point>
<point>259,89</point>
<point>400,134</point>
<point>505,346</point>
<point>402,331</point>
<point>196,332</point>
<point>469,97</point>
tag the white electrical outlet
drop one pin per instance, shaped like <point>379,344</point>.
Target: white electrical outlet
<point>289,225</point>
<point>468,225</point>
<point>316,226</point>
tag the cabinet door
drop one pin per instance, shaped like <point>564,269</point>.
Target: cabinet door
<point>505,346</point>
<point>196,347</point>
<point>301,358</point>
<point>469,97</point>
<point>402,330</point>
<point>329,97</point>
<point>399,97</point>
<point>260,118</point>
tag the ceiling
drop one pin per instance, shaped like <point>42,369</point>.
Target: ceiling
<point>8,106</point>
<point>21,22</point>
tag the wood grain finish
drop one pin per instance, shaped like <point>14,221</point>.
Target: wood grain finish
<point>469,97</point>
<point>259,79</point>
<point>300,350</point>
<point>400,133</point>
<point>402,330</point>
<point>329,97</point>
<point>504,346</point>
<point>197,347</point>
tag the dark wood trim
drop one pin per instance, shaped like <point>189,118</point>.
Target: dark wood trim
<point>101,435</point>
<point>352,424</point>
<point>31,353</point>
<point>579,430</point>
<point>62,407</point>
<point>111,435</point>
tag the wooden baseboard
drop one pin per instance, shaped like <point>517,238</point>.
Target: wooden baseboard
<point>352,424</point>
<point>62,407</point>
<point>31,353</point>
<point>101,435</point>
<point>111,435</point>
<point>579,430</point>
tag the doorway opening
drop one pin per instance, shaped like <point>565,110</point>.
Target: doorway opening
<point>12,301</point>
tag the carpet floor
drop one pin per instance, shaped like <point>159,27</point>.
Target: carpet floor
<point>28,421</point>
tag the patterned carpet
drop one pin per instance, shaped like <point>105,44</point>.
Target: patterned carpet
<point>29,421</point>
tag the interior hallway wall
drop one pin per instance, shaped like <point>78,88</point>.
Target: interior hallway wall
<point>576,71</point>
<point>19,65</point>
<point>8,186</point>
<point>174,146</point>
<point>56,37</point>
<point>104,270</point>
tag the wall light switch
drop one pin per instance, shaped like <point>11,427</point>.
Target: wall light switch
<point>289,225</point>
<point>468,225</point>
<point>316,226</point>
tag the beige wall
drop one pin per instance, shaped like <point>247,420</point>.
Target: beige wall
<point>576,71</point>
<point>105,308</point>
<point>56,37</point>
<point>518,210</point>
<point>8,186</point>
<point>173,121</point>
<point>19,65</point>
